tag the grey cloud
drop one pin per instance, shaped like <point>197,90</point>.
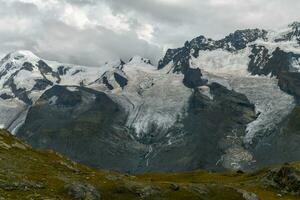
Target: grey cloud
<point>91,46</point>
<point>50,38</point>
<point>42,31</point>
<point>196,17</point>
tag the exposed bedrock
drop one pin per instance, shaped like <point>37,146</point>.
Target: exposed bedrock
<point>90,128</point>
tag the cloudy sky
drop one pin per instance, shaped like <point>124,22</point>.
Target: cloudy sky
<point>91,32</point>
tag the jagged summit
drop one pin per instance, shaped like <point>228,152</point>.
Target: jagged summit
<point>295,24</point>
<point>24,77</point>
<point>21,53</point>
<point>139,60</point>
<point>19,56</point>
<point>232,43</point>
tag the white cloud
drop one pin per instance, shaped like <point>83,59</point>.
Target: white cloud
<point>145,32</point>
<point>42,4</point>
<point>75,17</point>
<point>13,25</point>
<point>116,23</point>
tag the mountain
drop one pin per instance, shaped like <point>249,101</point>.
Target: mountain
<point>24,77</point>
<point>27,174</point>
<point>138,116</point>
<point>264,66</point>
<point>211,104</point>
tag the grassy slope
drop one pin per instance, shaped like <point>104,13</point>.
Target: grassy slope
<point>29,174</point>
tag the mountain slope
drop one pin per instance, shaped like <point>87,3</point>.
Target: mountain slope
<point>213,104</point>
<point>24,77</point>
<point>265,68</point>
<point>83,124</point>
<point>30,174</point>
<point>90,128</point>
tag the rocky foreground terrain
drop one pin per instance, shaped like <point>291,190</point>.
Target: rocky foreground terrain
<point>26,173</point>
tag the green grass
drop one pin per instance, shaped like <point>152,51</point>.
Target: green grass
<point>44,174</point>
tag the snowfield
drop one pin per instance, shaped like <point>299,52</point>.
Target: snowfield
<point>152,97</point>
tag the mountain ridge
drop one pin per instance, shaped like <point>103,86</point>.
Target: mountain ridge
<point>166,110</point>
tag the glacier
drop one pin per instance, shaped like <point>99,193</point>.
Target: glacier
<point>231,70</point>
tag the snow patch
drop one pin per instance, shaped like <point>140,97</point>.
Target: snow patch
<point>52,100</point>
<point>26,79</point>
<point>223,62</point>
<point>295,65</point>
<point>205,90</point>
<point>72,89</point>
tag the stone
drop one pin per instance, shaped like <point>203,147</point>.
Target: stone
<point>174,187</point>
<point>82,191</point>
<point>248,195</point>
<point>286,178</point>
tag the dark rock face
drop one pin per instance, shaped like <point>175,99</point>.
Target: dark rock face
<point>192,78</point>
<point>122,81</point>
<point>259,58</point>
<point>62,97</point>
<point>282,144</point>
<point>233,42</point>
<point>5,96</point>
<point>180,58</point>
<point>106,83</point>
<point>28,66</point>
<point>290,83</point>
<point>83,124</point>
<point>76,72</point>
<point>43,67</point>
<point>239,39</point>
<point>114,79</point>
<point>205,130</point>
<point>262,63</point>
<point>41,84</point>
<point>46,69</point>
<point>62,70</point>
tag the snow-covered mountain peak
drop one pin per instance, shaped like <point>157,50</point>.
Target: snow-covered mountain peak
<point>26,54</point>
<point>24,77</point>
<point>289,33</point>
<point>139,60</point>
<point>115,64</point>
<point>20,56</point>
<point>139,64</point>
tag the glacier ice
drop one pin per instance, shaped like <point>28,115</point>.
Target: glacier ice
<point>230,70</point>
